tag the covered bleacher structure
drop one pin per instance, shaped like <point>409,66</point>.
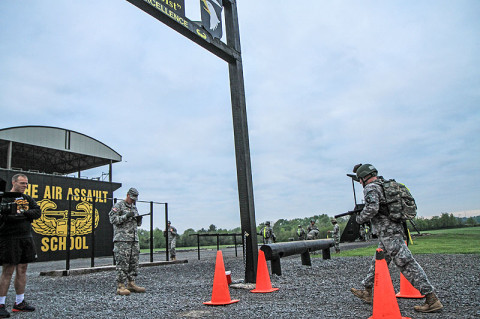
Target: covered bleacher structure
<point>53,159</point>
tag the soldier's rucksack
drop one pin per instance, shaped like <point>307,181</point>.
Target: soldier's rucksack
<point>400,203</point>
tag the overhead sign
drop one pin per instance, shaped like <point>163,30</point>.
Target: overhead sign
<point>168,8</point>
<point>212,16</point>
<point>175,6</point>
<point>164,11</point>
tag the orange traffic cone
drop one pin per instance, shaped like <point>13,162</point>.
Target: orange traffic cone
<point>407,290</point>
<point>263,284</point>
<point>384,302</point>
<point>220,292</point>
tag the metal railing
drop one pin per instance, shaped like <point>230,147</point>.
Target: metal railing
<point>218,235</point>
<point>92,242</point>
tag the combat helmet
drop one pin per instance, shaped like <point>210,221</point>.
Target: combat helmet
<point>333,220</point>
<point>365,171</point>
<point>267,223</point>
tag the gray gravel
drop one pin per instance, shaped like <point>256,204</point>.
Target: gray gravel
<point>178,291</point>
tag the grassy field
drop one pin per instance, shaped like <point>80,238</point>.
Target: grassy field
<point>444,241</point>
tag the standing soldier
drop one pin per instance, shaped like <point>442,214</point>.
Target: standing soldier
<point>300,233</point>
<point>171,234</point>
<point>125,220</point>
<point>391,240</point>
<point>335,235</point>
<point>312,230</point>
<point>367,233</point>
<point>362,233</point>
<point>267,234</point>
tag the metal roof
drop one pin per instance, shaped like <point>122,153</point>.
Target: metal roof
<point>52,150</point>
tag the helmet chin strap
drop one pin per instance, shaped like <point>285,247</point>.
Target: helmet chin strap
<point>365,179</point>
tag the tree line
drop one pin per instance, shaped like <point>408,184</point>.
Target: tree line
<point>285,230</point>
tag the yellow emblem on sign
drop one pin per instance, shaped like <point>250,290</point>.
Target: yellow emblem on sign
<point>50,225</point>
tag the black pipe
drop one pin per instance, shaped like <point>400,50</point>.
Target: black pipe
<point>68,239</point>
<point>151,232</point>
<point>274,252</point>
<point>166,228</point>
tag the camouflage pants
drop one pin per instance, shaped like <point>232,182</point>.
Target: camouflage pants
<point>336,239</point>
<point>172,243</point>
<point>395,249</point>
<point>126,256</point>
<point>312,234</point>
<point>268,240</point>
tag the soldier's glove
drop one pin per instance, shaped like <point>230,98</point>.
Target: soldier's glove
<point>130,214</point>
<point>139,219</point>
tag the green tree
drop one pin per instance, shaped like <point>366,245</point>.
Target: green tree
<point>471,221</point>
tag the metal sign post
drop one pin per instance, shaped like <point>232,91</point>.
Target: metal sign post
<point>231,53</point>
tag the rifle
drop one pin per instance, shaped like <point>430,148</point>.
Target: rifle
<point>413,224</point>
<point>358,208</point>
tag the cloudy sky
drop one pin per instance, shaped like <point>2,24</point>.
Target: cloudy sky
<point>329,84</point>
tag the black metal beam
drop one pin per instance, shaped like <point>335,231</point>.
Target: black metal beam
<point>242,147</point>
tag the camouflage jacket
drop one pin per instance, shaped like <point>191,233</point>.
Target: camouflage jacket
<point>267,232</point>
<point>301,233</point>
<point>375,210</point>
<point>124,228</point>
<point>336,231</point>
<point>171,233</point>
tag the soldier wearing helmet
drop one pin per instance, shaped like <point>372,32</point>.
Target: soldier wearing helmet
<point>312,230</point>
<point>171,234</point>
<point>335,234</point>
<point>267,234</point>
<point>301,233</point>
<point>390,239</point>
<point>125,220</point>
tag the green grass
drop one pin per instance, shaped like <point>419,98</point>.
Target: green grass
<point>443,241</point>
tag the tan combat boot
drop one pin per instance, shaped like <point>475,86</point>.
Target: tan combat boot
<point>173,258</point>
<point>366,295</point>
<point>121,290</point>
<point>431,304</point>
<point>134,288</point>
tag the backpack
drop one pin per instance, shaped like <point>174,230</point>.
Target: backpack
<point>400,203</point>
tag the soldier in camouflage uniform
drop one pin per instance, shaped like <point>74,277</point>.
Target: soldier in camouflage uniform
<point>362,233</point>
<point>301,235</point>
<point>171,234</point>
<point>367,233</point>
<point>312,230</point>
<point>335,235</point>
<point>391,237</point>
<point>125,220</point>
<point>267,234</point>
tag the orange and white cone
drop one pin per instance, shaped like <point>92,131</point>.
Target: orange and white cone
<point>263,284</point>
<point>384,302</point>
<point>220,292</point>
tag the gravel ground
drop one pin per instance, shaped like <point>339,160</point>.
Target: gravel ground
<point>179,290</point>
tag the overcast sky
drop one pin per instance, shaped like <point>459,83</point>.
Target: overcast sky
<point>329,84</point>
